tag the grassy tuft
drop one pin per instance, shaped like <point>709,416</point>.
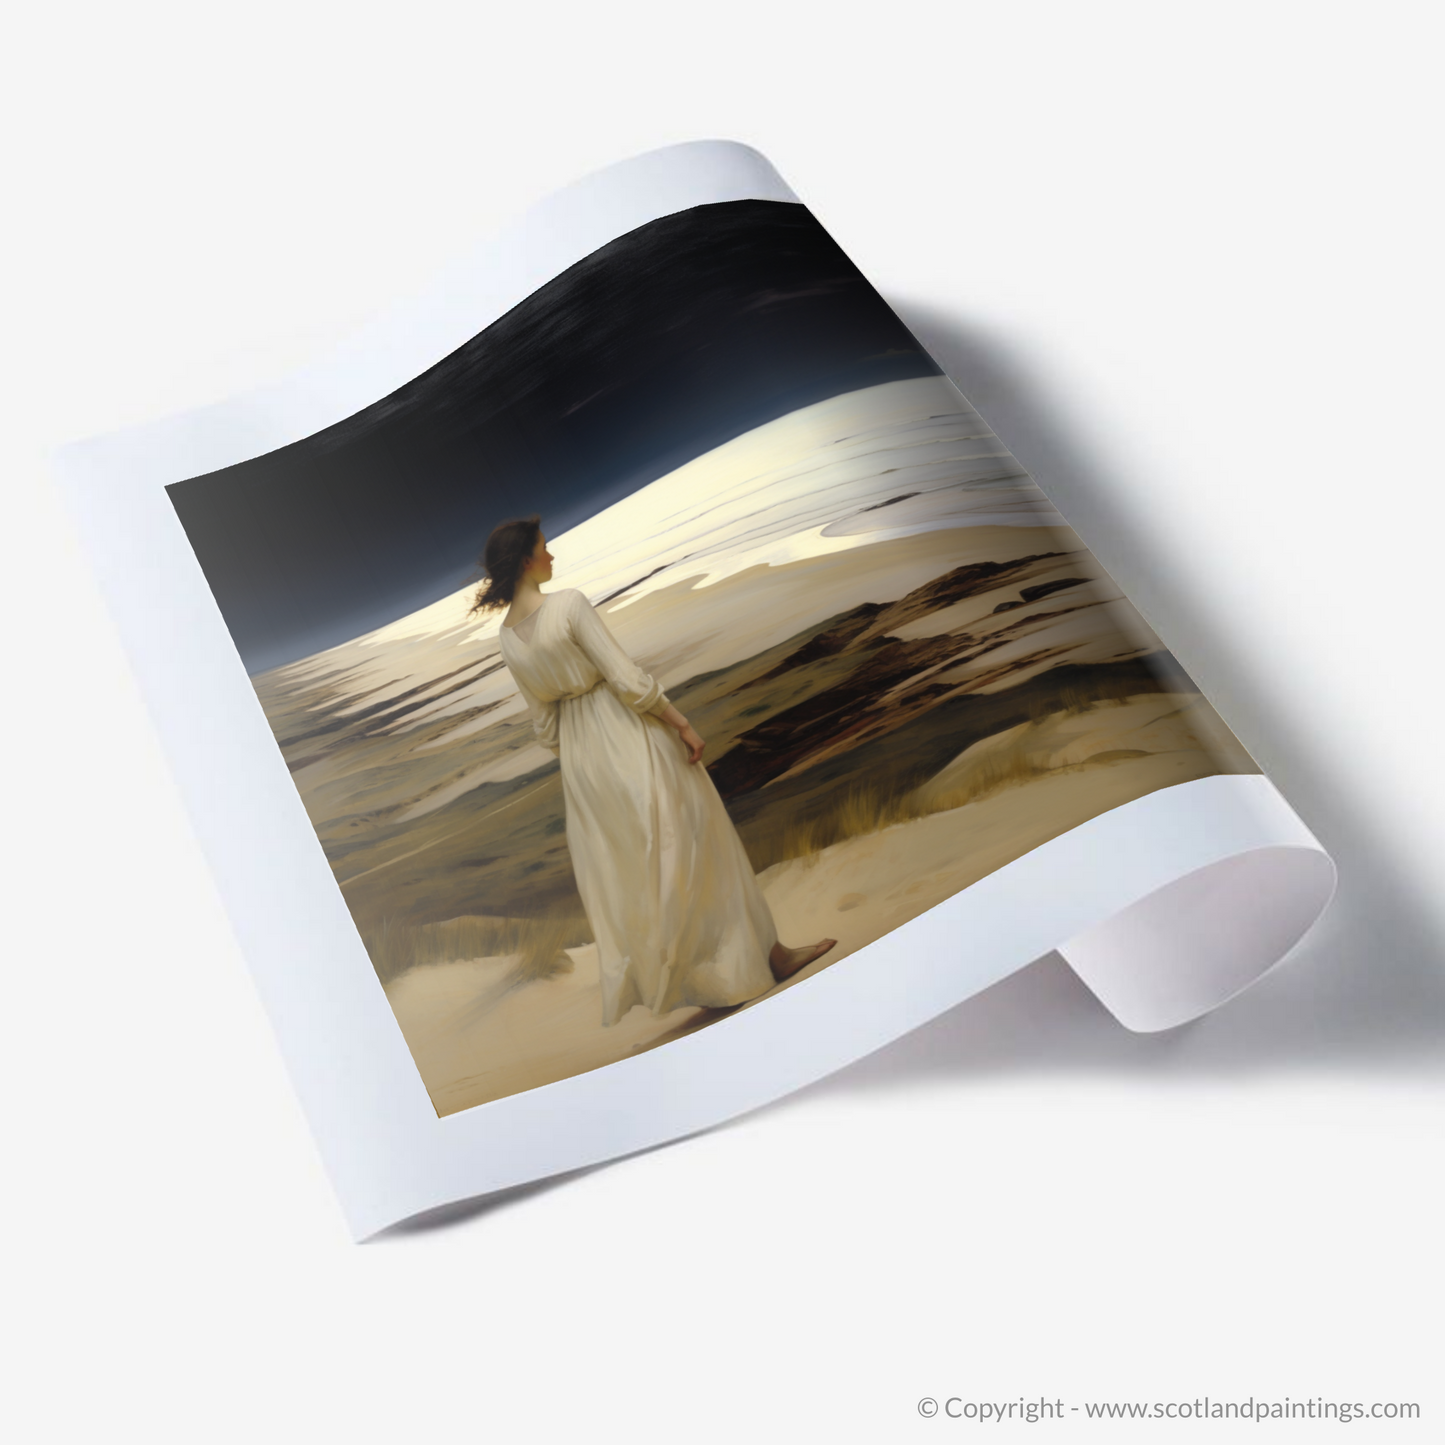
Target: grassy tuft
<point>537,943</point>
<point>851,812</point>
<point>869,807</point>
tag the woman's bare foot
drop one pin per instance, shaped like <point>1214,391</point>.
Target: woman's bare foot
<point>785,961</point>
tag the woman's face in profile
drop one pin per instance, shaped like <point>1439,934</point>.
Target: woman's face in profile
<point>539,566</point>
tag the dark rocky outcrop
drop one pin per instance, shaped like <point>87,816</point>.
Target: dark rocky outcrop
<point>1042,589</point>
<point>838,636</point>
<point>1046,589</point>
<point>889,685</point>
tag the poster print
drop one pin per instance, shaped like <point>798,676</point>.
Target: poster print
<point>778,648</point>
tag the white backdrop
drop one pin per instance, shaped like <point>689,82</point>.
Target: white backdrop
<point>1186,264</point>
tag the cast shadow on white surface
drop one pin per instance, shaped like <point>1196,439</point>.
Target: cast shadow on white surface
<point>462,1210</point>
<point>1365,989</point>
<point>1363,994</point>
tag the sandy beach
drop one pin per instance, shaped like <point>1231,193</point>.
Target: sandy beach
<point>907,672</point>
<point>856,891</point>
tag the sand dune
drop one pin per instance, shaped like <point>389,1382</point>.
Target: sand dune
<point>472,1046</point>
<point>873,618</point>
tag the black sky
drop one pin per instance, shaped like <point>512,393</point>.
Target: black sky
<point>656,348</point>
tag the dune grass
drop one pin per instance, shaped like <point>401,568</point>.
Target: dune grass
<point>869,806</point>
<point>862,807</point>
<point>537,944</point>
<point>1004,766</point>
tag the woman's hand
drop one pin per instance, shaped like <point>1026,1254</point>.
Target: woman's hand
<point>691,742</point>
<point>684,730</point>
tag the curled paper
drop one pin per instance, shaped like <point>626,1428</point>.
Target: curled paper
<point>794,713</point>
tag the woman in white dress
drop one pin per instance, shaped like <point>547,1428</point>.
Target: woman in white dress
<point>677,913</point>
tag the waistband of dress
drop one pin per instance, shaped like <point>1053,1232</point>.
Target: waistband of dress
<point>573,696</point>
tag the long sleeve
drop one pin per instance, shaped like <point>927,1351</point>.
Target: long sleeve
<point>637,689</point>
<point>544,719</point>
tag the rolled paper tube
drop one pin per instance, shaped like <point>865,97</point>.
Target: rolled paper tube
<point>847,571</point>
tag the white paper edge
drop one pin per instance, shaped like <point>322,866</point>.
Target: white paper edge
<point>388,1154</point>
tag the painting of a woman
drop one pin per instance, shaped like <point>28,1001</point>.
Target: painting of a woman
<point>667,886</point>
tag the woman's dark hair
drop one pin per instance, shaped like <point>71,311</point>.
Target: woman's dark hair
<point>503,558</point>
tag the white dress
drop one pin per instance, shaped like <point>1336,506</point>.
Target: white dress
<point>677,913</point>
